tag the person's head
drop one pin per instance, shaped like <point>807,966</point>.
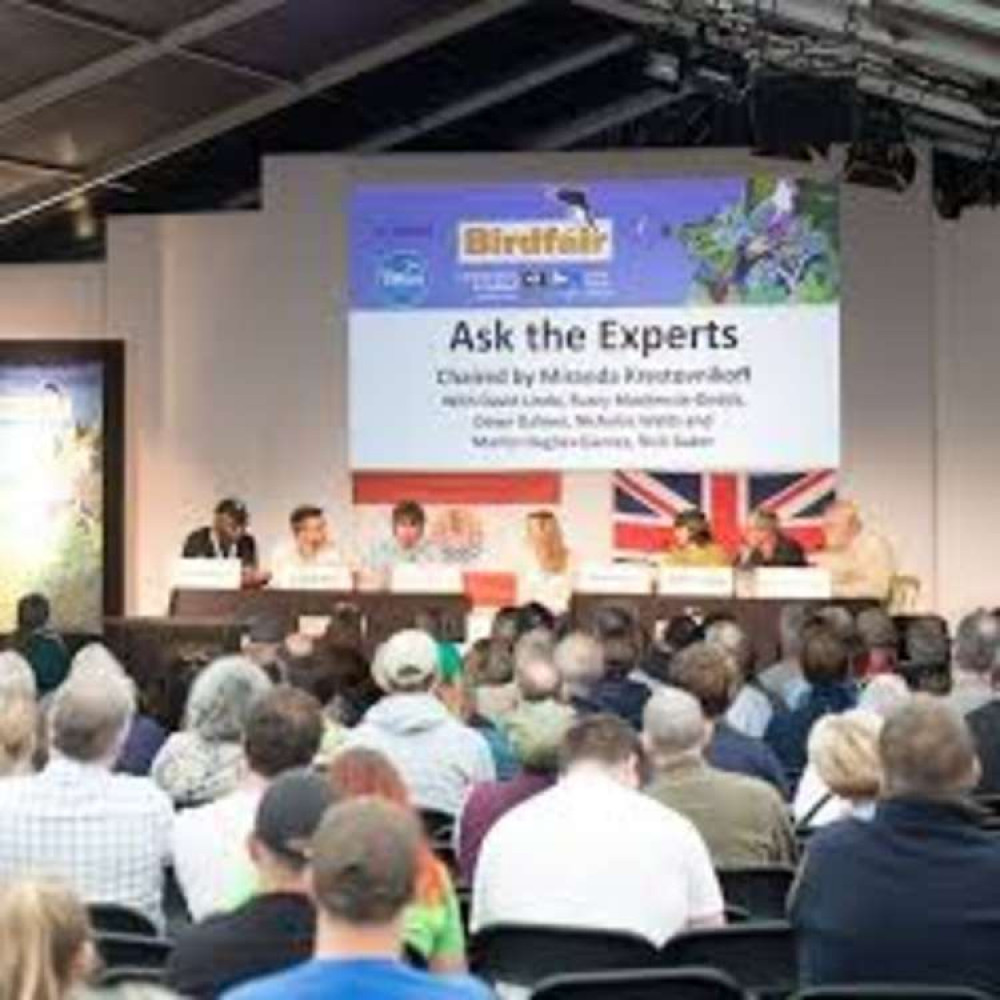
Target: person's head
<point>604,743</point>
<point>408,523</point>
<point>338,677</point>
<point>17,679</point>
<point>365,864</point>
<point>309,528</point>
<point>283,731</point>
<point>48,949</point>
<point>838,619</point>
<point>674,728</point>
<point>762,530</point>
<point>707,672</point>
<point>841,524</point>
<point>532,617</point>
<point>681,632</point>
<point>844,749</point>
<point>538,644</point>
<point>618,631</point>
<point>536,733</point>
<point>230,519</point>
<point>221,698</point>
<point>926,664</point>
<point>927,751</point>
<point>263,638</point>
<point>90,715</point>
<point>876,630</point>
<point>825,658</point>
<point>537,676</point>
<point>883,694</point>
<point>33,613</point>
<point>18,735</point>
<point>792,621</point>
<point>733,638</point>
<point>977,645</point>
<point>579,659</point>
<point>407,663</point>
<point>692,527</point>
<point>545,538</point>
<point>288,815</point>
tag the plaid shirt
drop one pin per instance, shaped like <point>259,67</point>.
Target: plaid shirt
<point>106,835</point>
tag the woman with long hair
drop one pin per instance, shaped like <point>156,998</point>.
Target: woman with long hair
<point>48,949</point>
<point>548,576</point>
<point>433,926</point>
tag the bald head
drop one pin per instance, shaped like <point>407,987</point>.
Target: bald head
<point>537,679</point>
<point>673,725</point>
<point>579,659</point>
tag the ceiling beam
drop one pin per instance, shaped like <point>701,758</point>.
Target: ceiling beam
<point>517,86</point>
<point>408,43</point>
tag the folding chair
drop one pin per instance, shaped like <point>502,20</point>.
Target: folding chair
<point>133,951</point>
<point>640,984</point>
<point>118,919</point>
<point>762,890</point>
<point>887,991</point>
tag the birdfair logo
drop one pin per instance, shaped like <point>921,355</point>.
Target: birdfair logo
<point>535,241</point>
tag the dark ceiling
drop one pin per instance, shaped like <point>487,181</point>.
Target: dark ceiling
<point>118,106</point>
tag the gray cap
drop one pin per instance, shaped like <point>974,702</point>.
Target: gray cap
<point>290,812</point>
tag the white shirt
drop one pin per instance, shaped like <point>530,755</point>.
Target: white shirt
<point>106,835</point>
<point>812,791</point>
<point>593,853</point>
<point>750,712</point>
<point>864,568</point>
<point>210,845</point>
<point>286,558</point>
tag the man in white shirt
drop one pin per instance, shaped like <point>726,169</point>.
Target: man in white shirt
<point>595,853</point>
<point>861,561</point>
<point>284,731</point>
<point>105,835</point>
<point>309,547</point>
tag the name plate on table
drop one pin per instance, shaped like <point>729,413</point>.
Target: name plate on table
<point>329,577</point>
<point>614,578</point>
<point>208,574</point>
<point>426,578</point>
<point>785,583</point>
<point>695,581</point>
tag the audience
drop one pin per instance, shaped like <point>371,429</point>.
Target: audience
<point>263,645</point>
<point>433,922</point>
<point>275,927</point>
<point>493,675</point>
<point>784,679</point>
<point>283,732</point>
<point>708,673</point>
<point>365,865</point>
<point>40,644</point>
<point>742,820</point>
<point>926,663</point>
<point>622,645</point>
<point>751,709</point>
<point>439,758</point>
<point>106,835</point>
<point>48,949</point>
<point>589,851</point>
<point>580,661</point>
<point>17,679</point>
<point>539,696</point>
<point>910,896</point>
<point>19,722</point>
<point>975,662</point>
<point>205,760</point>
<point>879,642</point>
<point>826,666</point>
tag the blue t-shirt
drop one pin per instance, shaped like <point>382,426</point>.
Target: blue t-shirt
<point>359,979</point>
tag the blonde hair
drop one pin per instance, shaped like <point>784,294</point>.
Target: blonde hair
<point>548,544</point>
<point>844,750</point>
<point>45,930</point>
<point>18,735</point>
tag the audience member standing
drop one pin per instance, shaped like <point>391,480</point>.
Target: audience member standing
<point>593,852</point>
<point>911,896</point>
<point>365,866</point>
<point>107,835</point>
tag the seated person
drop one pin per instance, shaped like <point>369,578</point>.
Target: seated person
<point>693,542</point>
<point>548,577</point>
<point>622,643</point>
<point>767,545</point>
<point>909,896</point>
<point>879,644</point>
<point>40,644</point>
<point>310,544</point>
<point>861,561</point>
<point>226,537</point>
<point>752,707</point>
<point>408,543</point>
<point>743,820</point>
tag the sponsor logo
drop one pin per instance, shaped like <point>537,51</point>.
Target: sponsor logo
<point>402,278</point>
<point>540,241</point>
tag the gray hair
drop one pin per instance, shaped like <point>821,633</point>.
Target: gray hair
<point>537,644</point>
<point>579,659</point>
<point>733,638</point>
<point>96,660</point>
<point>839,620</point>
<point>17,679</point>
<point>90,714</point>
<point>977,643</point>
<point>927,643</point>
<point>876,629</point>
<point>791,627</point>
<point>673,724</point>
<point>222,697</point>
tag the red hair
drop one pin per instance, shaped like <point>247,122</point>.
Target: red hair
<point>357,772</point>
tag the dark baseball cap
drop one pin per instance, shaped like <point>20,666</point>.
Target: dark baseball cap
<point>290,813</point>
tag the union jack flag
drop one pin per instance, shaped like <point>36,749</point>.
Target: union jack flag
<point>646,503</point>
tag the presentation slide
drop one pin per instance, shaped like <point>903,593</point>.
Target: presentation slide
<point>51,489</point>
<point>684,324</point>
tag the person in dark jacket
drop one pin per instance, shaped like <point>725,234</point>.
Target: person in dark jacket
<point>226,537</point>
<point>40,644</point>
<point>767,545</point>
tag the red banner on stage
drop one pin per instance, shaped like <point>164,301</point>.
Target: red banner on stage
<point>541,488</point>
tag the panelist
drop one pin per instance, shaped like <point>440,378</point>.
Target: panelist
<point>694,544</point>
<point>767,545</point>
<point>861,561</point>
<point>548,579</point>
<point>408,543</point>
<point>309,546</point>
<point>226,537</point>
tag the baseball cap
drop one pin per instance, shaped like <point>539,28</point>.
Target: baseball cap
<point>290,812</point>
<point>408,659</point>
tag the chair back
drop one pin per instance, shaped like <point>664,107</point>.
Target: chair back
<point>524,955</point>
<point>119,919</point>
<point>133,951</point>
<point>761,890</point>
<point>894,991</point>
<point>761,957</point>
<point>121,976</point>
<point>640,984</point>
